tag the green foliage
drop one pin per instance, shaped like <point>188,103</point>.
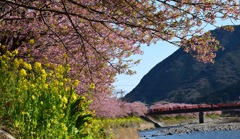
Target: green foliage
<point>118,122</point>
<point>39,102</point>
<point>213,115</point>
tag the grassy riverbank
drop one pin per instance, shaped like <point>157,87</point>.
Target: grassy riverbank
<point>119,122</point>
<point>122,128</point>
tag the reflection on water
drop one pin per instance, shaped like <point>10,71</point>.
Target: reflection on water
<point>155,134</point>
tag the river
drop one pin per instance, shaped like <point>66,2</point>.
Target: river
<point>156,134</point>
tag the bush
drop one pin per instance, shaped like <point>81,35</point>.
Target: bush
<point>39,101</point>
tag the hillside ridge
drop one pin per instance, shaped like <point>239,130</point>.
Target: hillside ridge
<point>181,78</point>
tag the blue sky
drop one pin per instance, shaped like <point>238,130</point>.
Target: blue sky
<point>153,54</point>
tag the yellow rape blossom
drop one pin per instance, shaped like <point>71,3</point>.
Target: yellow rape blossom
<point>60,97</point>
<point>24,87</point>
<point>68,67</point>
<point>65,100</point>
<point>64,55</point>
<point>75,83</point>
<point>83,98</point>
<point>31,41</point>
<point>37,65</point>
<point>47,65</point>
<point>74,96</point>
<point>45,86</point>
<point>23,72</point>
<point>54,121</point>
<point>92,86</point>
<point>50,73</point>
<point>15,52</point>
<point>33,85</point>
<point>43,72</point>
<point>33,97</point>
<point>20,61</point>
<point>9,54</point>
<point>43,75</point>
<point>67,89</point>
<point>2,46</point>
<point>61,83</point>
<point>5,57</point>
<point>62,115</point>
<point>16,63</point>
<point>27,66</point>
<point>23,112</point>
<point>64,127</point>
<point>60,69</point>
<point>56,82</point>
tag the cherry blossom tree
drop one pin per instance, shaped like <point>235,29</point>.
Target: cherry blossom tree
<point>97,37</point>
<point>106,106</point>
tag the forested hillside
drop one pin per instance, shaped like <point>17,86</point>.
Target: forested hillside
<point>181,78</point>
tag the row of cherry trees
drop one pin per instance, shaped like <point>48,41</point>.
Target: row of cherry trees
<point>97,37</point>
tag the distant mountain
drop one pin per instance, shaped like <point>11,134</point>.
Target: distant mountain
<point>182,79</point>
<point>228,94</point>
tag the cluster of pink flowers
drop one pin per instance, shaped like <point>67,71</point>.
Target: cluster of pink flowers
<point>158,107</point>
<point>105,106</point>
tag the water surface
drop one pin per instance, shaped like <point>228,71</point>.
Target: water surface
<point>233,134</point>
